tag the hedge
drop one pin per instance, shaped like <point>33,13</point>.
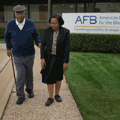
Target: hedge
<point>107,43</point>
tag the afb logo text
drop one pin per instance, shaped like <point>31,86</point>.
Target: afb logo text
<point>92,19</point>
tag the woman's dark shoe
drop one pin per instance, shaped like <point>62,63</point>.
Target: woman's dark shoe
<point>20,101</point>
<point>30,93</point>
<point>58,98</point>
<point>49,101</point>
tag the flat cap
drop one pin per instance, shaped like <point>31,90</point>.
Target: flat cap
<point>19,8</point>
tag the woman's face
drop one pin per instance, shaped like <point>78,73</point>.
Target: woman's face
<point>54,23</point>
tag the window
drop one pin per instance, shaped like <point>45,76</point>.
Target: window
<point>8,13</point>
<point>63,8</point>
<point>26,11</point>
<point>39,13</point>
<point>1,13</point>
<point>108,7</point>
<point>43,12</point>
<point>80,7</point>
<point>90,7</point>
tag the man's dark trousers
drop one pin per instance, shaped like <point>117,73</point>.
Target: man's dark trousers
<point>24,67</point>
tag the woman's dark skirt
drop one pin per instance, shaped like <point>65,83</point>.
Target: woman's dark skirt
<point>53,71</point>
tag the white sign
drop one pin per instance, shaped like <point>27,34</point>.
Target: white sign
<point>104,23</point>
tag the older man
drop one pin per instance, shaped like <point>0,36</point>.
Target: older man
<point>21,30</point>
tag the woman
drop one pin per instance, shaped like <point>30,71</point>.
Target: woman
<point>55,48</point>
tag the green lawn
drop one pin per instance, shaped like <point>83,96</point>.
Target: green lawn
<point>2,40</point>
<point>94,80</point>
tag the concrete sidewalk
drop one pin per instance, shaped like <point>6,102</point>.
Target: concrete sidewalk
<point>35,109</point>
<point>6,78</point>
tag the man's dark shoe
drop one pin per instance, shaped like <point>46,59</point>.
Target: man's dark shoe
<point>20,101</point>
<point>49,101</point>
<point>58,98</point>
<point>30,93</point>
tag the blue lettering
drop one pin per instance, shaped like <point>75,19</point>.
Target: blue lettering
<point>84,19</point>
<point>93,20</point>
<point>78,19</point>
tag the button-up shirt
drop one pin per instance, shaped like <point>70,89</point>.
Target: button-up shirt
<point>20,25</point>
<point>55,35</point>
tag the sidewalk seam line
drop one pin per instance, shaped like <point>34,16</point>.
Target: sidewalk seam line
<point>4,66</point>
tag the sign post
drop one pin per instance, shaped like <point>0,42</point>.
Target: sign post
<point>49,10</point>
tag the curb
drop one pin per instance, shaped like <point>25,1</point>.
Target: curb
<point>73,96</point>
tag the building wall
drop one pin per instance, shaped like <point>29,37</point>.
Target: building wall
<point>41,25</point>
<point>39,12</point>
<point>3,24</point>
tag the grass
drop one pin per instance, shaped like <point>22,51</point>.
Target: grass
<point>94,80</point>
<point>2,40</point>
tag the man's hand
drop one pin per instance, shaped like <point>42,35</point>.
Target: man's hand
<point>9,53</point>
<point>43,63</point>
<point>39,45</point>
<point>65,66</point>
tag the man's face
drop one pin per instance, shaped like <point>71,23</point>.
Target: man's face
<point>20,16</point>
<point>54,23</point>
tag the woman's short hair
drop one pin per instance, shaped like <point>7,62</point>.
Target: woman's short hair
<point>59,18</point>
